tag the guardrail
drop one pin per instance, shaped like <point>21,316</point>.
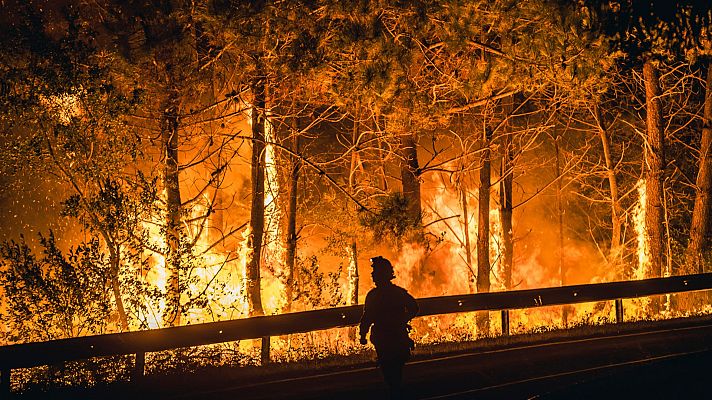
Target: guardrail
<point>140,342</point>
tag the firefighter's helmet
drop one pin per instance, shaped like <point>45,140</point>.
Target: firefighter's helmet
<point>382,267</point>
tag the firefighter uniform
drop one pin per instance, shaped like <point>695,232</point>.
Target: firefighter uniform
<point>387,311</point>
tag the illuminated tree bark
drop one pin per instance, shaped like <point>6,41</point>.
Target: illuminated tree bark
<point>506,207</point>
<point>291,250</point>
<point>115,262</point>
<point>218,202</point>
<point>351,248</point>
<point>616,209</point>
<point>700,225</point>
<point>655,165</point>
<point>468,248</point>
<point>354,170</point>
<point>506,211</point>
<point>169,144</point>
<point>352,296</point>
<point>257,210</point>
<point>560,225</point>
<point>483,230</point>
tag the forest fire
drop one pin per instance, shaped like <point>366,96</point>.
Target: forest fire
<point>438,271</point>
<point>177,165</point>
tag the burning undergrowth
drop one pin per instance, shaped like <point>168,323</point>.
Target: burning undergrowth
<point>434,262</point>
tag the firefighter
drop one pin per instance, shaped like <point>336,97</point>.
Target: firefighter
<point>387,311</point>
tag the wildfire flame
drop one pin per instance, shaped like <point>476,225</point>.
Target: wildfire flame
<point>642,250</point>
<point>444,268</point>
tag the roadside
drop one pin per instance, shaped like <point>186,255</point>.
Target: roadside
<point>361,377</point>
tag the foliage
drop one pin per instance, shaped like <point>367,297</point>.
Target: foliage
<point>314,288</point>
<point>36,382</point>
<point>197,359</point>
<point>390,219</point>
<point>661,30</point>
<point>115,209</point>
<point>54,295</point>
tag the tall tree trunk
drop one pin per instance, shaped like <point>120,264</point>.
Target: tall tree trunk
<point>560,223</point>
<point>257,210</point>
<point>216,222</point>
<point>655,162</point>
<point>352,298</point>
<point>272,237</point>
<point>291,251</point>
<point>351,248</point>
<point>483,231</point>
<point>169,142</point>
<point>506,209</point>
<point>700,225</point>
<point>466,229</point>
<point>410,175</point>
<point>616,209</point>
<point>115,262</point>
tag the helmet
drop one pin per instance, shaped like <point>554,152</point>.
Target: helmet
<point>382,267</point>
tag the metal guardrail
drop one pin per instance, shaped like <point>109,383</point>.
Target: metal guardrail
<point>140,342</point>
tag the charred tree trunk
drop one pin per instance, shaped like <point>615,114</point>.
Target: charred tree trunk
<point>506,209</point>
<point>483,231</point>
<point>171,182</point>
<point>560,223</point>
<point>216,227</point>
<point>351,248</point>
<point>655,162</point>
<point>257,210</point>
<point>700,225</point>
<point>291,250</point>
<point>506,182</point>
<point>616,209</point>
<point>410,177</point>
<point>466,229</point>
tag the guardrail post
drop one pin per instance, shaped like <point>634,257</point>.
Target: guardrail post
<point>505,322</point>
<point>264,353</point>
<point>5,383</point>
<point>619,311</point>
<point>139,366</point>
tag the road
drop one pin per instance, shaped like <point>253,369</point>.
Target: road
<point>661,363</point>
<point>668,361</point>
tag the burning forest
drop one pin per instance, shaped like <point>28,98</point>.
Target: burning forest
<point>175,163</point>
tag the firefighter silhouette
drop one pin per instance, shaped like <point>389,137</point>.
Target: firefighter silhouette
<point>387,311</point>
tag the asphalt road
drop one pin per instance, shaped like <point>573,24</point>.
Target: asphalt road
<point>664,363</point>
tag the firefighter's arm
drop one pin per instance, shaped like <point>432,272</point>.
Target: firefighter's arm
<point>411,307</point>
<point>366,320</point>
